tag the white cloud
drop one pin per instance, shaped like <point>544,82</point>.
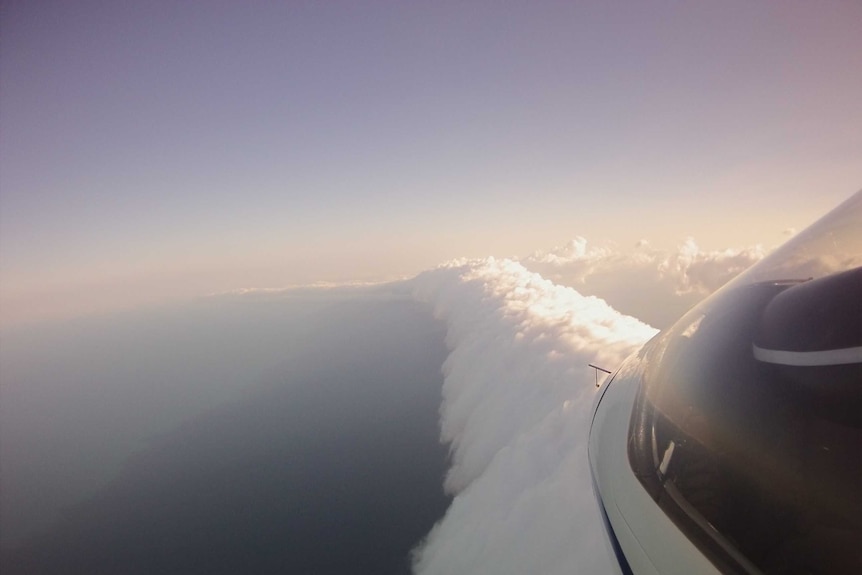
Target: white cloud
<point>516,408</point>
<point>316,290</point>
<point>653,285</point>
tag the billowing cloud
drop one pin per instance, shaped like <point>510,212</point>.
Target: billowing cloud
<point>516,408</point>
<point>654,285</point>
<point>516,396</point>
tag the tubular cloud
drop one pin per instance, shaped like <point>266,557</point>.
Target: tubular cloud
<point>515,412</point>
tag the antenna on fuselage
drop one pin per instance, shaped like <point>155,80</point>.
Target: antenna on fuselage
<point>598,369</point>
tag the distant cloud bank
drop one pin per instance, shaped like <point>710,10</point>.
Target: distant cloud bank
<point>653,285</point>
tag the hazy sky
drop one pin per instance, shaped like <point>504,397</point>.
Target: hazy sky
<point>165,149</point>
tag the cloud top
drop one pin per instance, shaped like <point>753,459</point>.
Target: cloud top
<point>654,285</point>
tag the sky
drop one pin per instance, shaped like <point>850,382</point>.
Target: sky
<point>162,150</point>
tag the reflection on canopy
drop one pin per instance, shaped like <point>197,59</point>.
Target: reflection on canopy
<point>748,427</point>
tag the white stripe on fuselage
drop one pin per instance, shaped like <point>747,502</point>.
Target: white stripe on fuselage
<point>809,358</point>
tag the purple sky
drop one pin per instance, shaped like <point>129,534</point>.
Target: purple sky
<point>151,150</point>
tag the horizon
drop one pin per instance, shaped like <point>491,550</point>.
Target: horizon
<point>551,263</point>
<point>156,152</point>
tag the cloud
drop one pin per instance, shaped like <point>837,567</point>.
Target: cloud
<point>517,399</point>
<point>516,396</point>
<point>654,285</point>
<point>320,290</point>
<point>703,272</point>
